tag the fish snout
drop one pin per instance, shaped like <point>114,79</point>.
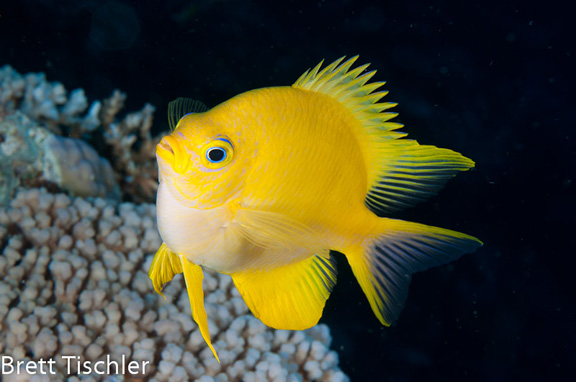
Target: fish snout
<point>171,151</point>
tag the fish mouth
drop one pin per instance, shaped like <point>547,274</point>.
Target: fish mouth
<point>165,152</point>
<point>165,146</point>
<point>172,152</point>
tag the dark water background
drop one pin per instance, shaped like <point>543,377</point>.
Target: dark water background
<point>492,80</point>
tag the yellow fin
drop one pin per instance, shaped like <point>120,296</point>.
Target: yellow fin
<point>411,174</point>
<point>182,106</point>
<point>400,171</point>
<point>350,89</point>
<point>165,265</point>
<point>272,230</point>
<point>289,297</point>
<point>384,264</point>
<point>194,276</point>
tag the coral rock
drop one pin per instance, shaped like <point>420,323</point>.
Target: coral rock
<point>57,299</point>
<point>30,153</point>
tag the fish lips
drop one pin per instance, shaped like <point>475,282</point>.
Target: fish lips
<point>173,153</point>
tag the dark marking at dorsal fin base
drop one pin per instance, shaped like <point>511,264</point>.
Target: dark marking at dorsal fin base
<point>182,106</point>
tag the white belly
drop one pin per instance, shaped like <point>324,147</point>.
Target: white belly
<point>202,236</point>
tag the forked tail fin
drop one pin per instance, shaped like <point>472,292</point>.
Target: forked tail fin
<point>384,263</point>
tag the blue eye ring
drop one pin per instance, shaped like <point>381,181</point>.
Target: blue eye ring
<point>224,140</point>
<point>217,154</point>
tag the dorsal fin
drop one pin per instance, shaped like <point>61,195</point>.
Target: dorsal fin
<point>401,172</point>
<point>182,106</point>
<point>352,90</point>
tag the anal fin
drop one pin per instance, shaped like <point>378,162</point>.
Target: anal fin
<point>291,296</point>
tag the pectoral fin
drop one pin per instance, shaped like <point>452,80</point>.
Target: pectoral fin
<point>194,276</point>
<point>289,297</point>
<point>165,265</point>
<point>276,231</point>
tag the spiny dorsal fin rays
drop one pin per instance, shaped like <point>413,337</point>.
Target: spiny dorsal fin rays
<point>362,90</point>
<point>400,172</point>
<point>327,74</point>
<point>311,76</point>
<point>355,85</point>
<point>351,89</point>
<point>182,106</point>
<point>334,75</point>
<point>310,73</point>
<point>376,108</point>
<point>326,82</point>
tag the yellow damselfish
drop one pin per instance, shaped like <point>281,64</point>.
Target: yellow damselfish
<point>265,186</point>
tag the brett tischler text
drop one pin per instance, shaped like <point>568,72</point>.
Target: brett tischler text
<point>73,364</point>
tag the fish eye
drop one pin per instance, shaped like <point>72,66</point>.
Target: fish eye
<point>217,153</point>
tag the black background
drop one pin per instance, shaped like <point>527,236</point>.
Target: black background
<point>491,80</point>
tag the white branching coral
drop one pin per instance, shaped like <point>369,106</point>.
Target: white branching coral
<point>74,283</point>
<point>134,163</point>
<point>46,102</point>
<point>129,139</point>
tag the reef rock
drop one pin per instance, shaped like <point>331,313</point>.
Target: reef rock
<point>32,155</point>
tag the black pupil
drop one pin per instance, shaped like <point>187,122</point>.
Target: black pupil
<point>216,155</point>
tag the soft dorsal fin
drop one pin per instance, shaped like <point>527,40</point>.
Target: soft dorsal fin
<point>182,106</point>
<point>400,172</point>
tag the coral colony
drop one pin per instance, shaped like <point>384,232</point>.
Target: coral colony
<point>33,115</point>
<point>76,302</point>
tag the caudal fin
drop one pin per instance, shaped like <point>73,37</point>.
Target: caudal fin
<point>384,263</point>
